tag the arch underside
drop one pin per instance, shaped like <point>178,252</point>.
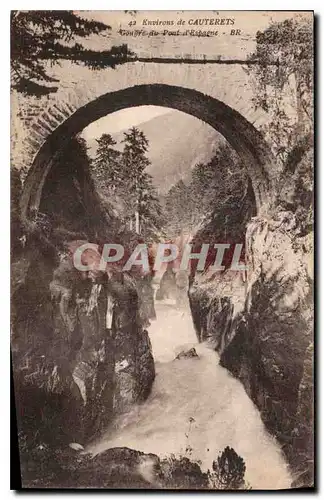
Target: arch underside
<point>241,134</point>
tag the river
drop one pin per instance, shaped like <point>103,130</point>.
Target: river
<point>196,409</point>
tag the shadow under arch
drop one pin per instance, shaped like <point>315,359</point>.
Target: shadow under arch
<point>239,132</point>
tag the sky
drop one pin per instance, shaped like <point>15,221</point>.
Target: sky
<point>121,120</point>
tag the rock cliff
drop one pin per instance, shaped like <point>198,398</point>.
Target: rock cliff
<point>261,322</point>
<point>76,365</point>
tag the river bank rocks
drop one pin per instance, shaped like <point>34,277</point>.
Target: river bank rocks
<point>261,323</point>
<point>120,468</point>
<point>125,468</point>
<point>134,369</point>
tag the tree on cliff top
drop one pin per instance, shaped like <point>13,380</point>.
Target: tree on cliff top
<point>107,166</point>
<point>39,37</point>
<point>284,50</point>
<point>135,162</point>
<point>285,54</point>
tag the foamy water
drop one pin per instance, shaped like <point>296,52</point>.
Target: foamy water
<point>196,409</point>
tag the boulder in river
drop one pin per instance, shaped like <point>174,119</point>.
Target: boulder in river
<point>191,353</point>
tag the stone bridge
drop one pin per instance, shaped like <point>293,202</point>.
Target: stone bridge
<point>220,94</point>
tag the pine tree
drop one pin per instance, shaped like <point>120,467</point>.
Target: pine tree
<point>107,167</point>
<point>41,37</point>
<point>135,162</point>
<point>151,214</point>
<point>229,470</point>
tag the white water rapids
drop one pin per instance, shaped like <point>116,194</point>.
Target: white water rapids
<point>196,409</point>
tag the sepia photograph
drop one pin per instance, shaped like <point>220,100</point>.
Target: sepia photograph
<point>162,249</point>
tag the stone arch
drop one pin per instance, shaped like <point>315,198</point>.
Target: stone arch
<point>238,131</point>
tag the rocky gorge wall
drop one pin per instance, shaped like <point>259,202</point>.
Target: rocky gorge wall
<point>74,367</point>
<point>261,320</point>
<point>261,324</point>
